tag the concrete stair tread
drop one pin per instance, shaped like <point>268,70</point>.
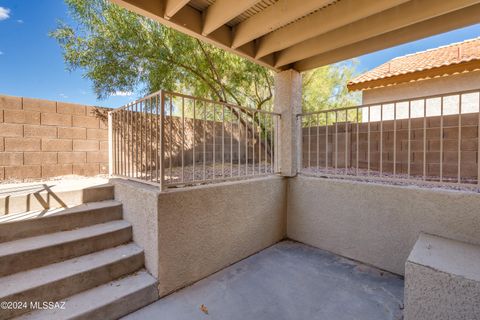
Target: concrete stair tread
<point>18,198</point>
<point>36,223</point>
<point>90,302</point>
<point>47,240</point>
<point>62,184</point>
<point>90,206</point>
<point>447,255</point>
<point>21,281</point>
<point>41,214</point>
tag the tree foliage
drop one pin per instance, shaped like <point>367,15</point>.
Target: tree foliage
<point>325,88</point>
<point>121,51</point>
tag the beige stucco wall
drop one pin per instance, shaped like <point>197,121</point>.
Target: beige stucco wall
<point>374,223</point>
<point>288,102</point>
<point>139,204</point>
<point>429,87</point>
<point>202,229</point>
<point>440,85</point>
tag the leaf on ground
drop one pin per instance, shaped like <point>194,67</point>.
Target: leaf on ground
<point>204,309</point>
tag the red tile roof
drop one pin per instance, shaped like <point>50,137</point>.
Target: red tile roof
<point>413,64</point>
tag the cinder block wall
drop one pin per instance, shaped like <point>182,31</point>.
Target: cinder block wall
<point>42,139</point>
<point>200,139</point>
<point>468,145</point>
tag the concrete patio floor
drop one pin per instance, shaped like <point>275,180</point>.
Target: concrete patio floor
<point>287,281</point>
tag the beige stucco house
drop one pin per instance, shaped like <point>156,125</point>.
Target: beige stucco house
<point>446,69</point>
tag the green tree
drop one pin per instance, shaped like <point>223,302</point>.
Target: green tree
<point>325,88</point>
<point>122,51</point>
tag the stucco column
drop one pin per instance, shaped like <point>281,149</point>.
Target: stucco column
<point>288,102</point>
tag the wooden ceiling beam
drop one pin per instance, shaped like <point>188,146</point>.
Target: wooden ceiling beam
<point>189,21</point>
<point>403,15</point>
<point>320,22</point>
<point>272,18</point>
<point>406,22</point>
<point>173,6</point>
<point>450,21</point>
<point>222,11</point>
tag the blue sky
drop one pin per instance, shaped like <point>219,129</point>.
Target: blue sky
<point>31,62</point>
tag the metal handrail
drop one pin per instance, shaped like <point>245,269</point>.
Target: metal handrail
<point>198,99</point>
<point>320,153</point>
<point>144,146</point>
<point>182,95</point>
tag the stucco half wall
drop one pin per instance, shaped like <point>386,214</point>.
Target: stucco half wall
<point>194,232</point>
<point>375,223</point>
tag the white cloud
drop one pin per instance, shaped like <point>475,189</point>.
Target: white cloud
<point>4,13</point>
<point>1,52</point>
<point>63,95</point>
<point>123,93</point>
<point>20,21</point>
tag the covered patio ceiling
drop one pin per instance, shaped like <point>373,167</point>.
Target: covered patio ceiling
<point>305,34</point>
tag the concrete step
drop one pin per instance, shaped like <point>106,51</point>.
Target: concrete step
<point>110,301</point>
<point>28,253</point>
<point>41,196</point>
<point>60,280</point>
<point>23,225</point>
<point>442,280</point>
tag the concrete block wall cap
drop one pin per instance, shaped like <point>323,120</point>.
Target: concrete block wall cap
<point>39,105</point>
<point>446,255</point>
<point>224,183</point>
<point>137,184</point>
<point>417,188</point>
<point>10,102</point>
<point>70,108</point>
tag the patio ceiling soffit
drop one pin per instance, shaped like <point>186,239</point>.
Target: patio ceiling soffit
<point>283,34</point>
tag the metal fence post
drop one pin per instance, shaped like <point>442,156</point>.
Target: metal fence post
<point>110,143</point>
<point>299,141</point>
<point>162,141</point>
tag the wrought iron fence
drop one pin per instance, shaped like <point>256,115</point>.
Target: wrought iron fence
<point>432,139</point>
<point>173,139</point>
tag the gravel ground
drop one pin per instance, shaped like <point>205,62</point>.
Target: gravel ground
<point>449,183</point>
<point>210,172</point>
<point>175,175</point>
<point>217,172</point>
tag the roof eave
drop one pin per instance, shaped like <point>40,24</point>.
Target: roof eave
<point>446,70</point>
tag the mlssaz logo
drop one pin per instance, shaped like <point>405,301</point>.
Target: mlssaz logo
<point>47,305</point>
